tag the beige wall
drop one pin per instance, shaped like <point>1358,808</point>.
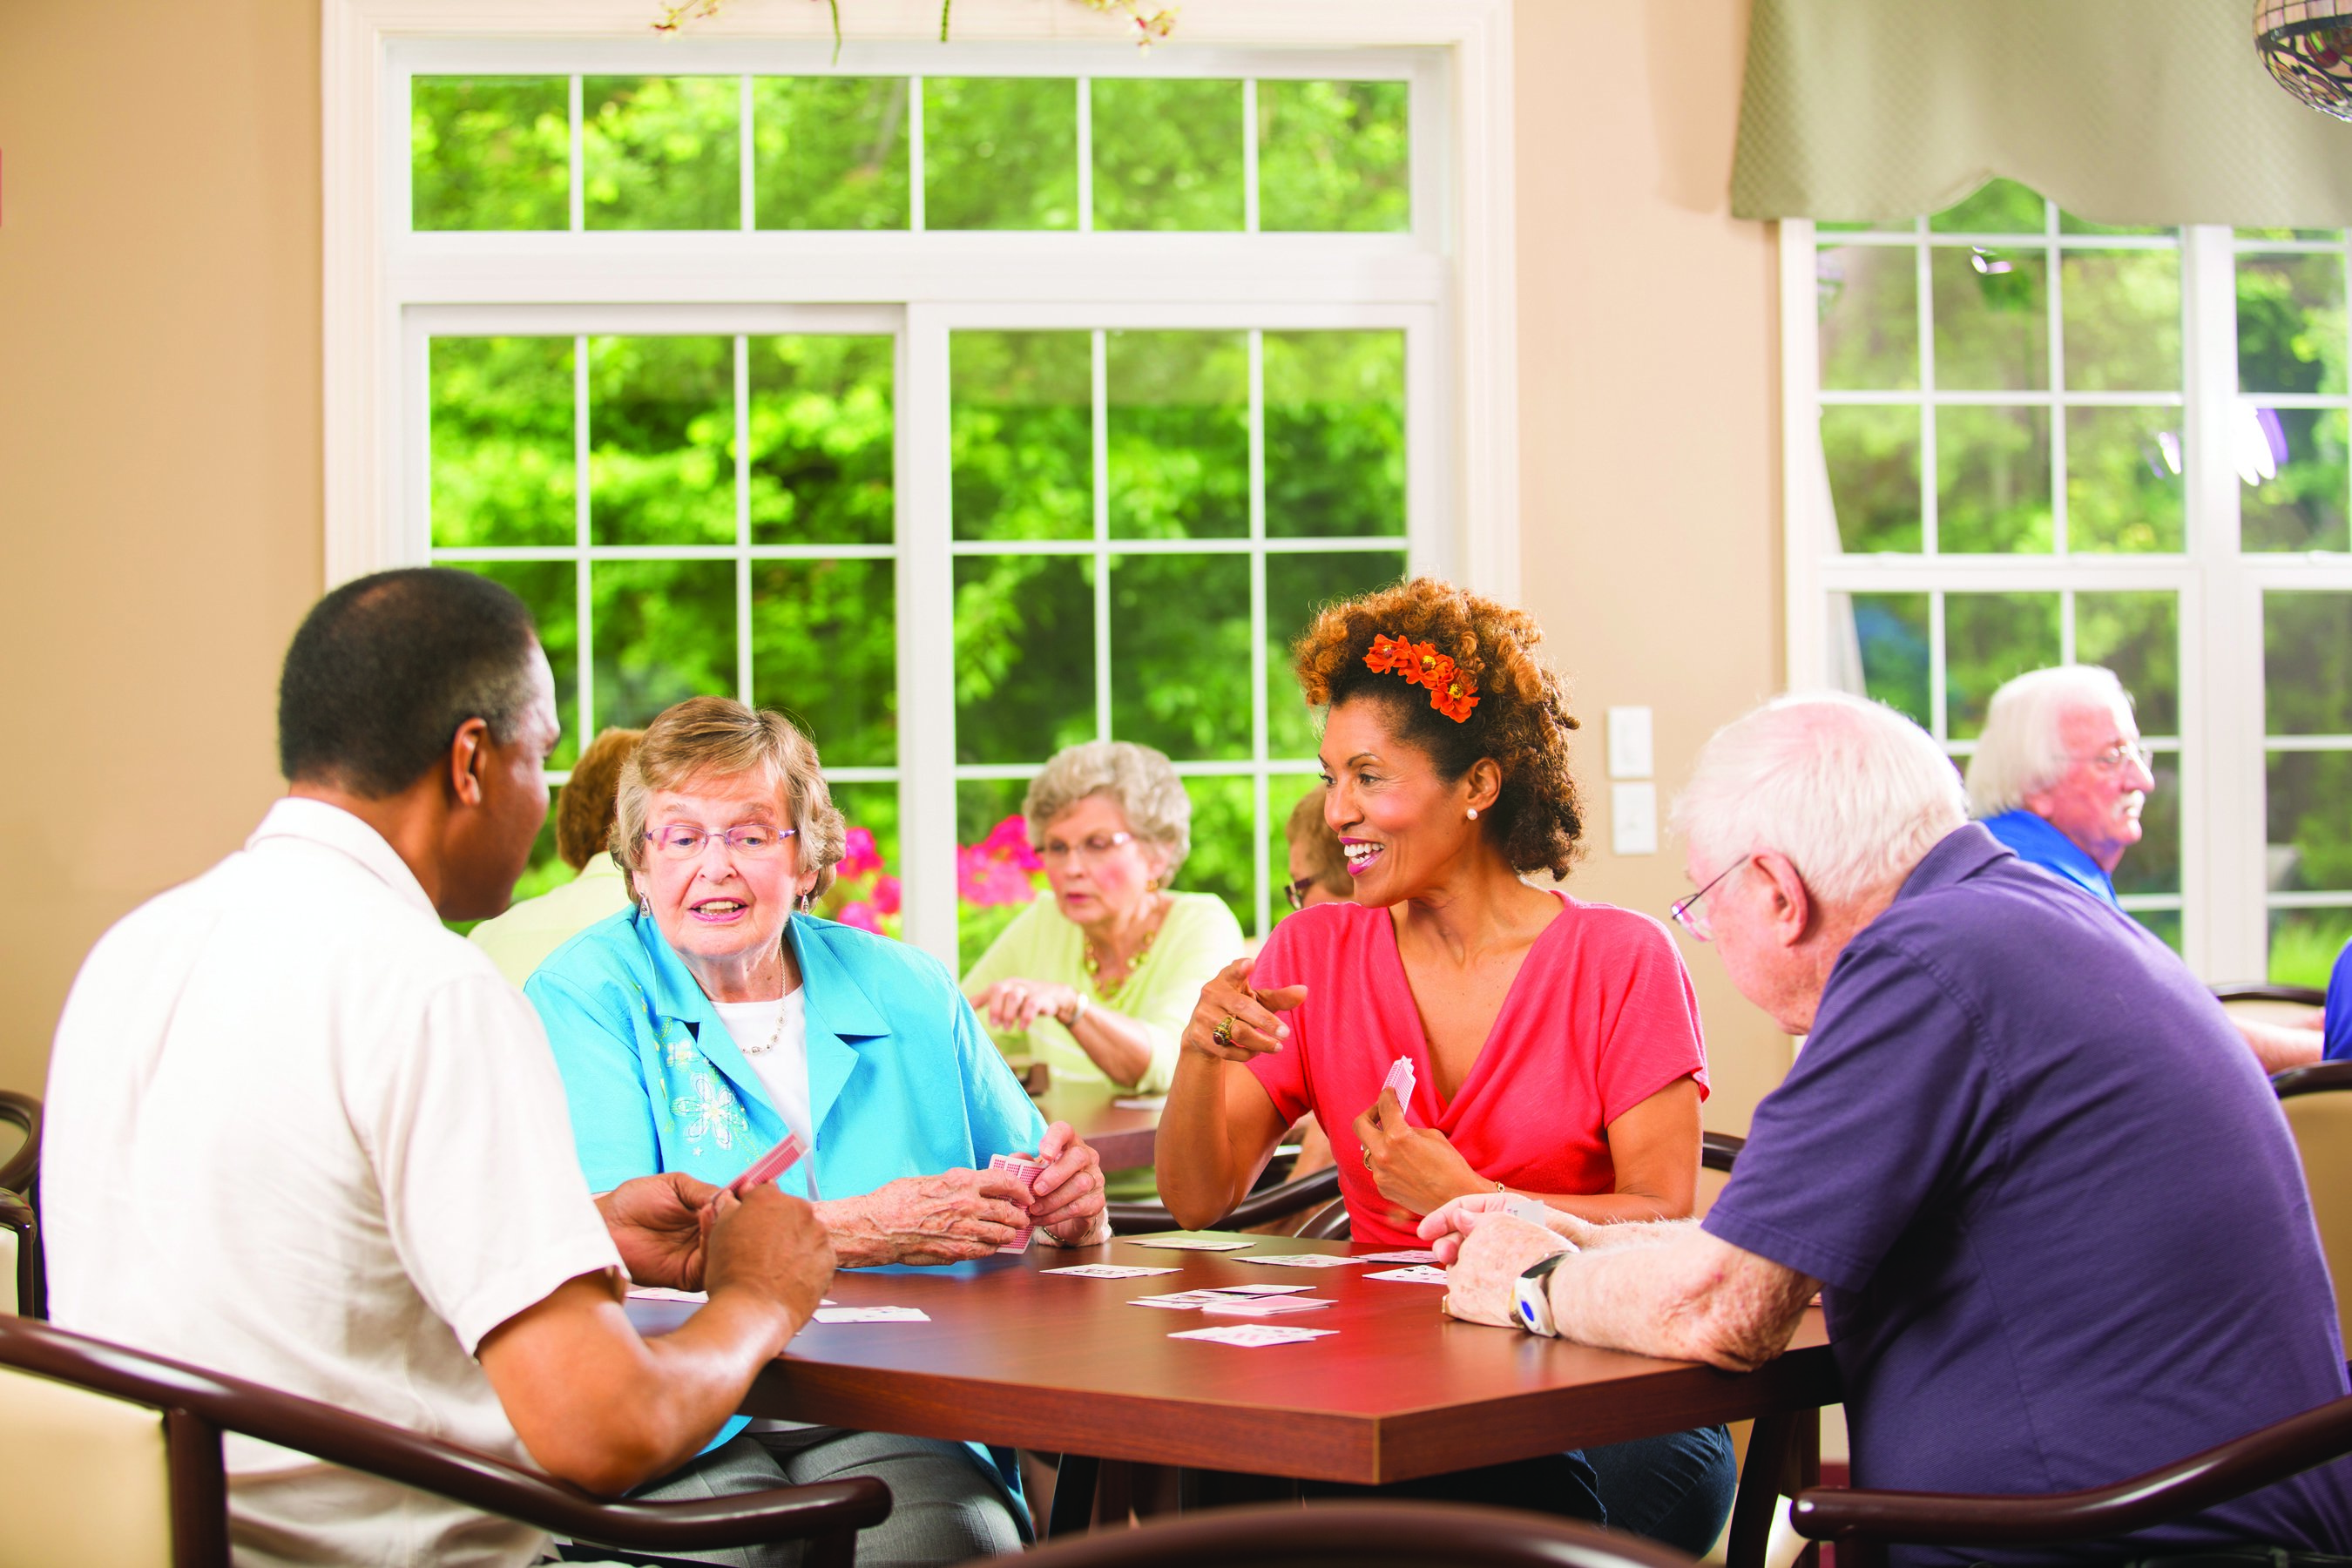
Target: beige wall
<point>158,453</point>
<point>1648,429</point>
<point>160,435</point>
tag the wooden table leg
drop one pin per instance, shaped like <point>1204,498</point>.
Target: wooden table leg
<point>1073,1496</point>
<point>1230,1488</point>
<point>1760,1490</point>
<point>1805,1470</point>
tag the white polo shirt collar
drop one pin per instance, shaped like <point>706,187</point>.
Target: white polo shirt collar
<point>315,822</point>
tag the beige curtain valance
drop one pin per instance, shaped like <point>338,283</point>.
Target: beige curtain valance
<point>2125,112</point>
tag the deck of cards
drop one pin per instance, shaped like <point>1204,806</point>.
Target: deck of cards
<point>1253,1336</point>
<point>1024,1170</point>
<point>1400,1079</point>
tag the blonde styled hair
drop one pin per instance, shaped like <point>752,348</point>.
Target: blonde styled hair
<point>1138,780</point>
<point>719,738</point>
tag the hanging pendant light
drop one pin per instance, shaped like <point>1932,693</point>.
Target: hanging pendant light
<point>2307,44</point>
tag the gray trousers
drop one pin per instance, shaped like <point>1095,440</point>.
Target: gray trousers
<point>942,1510</point>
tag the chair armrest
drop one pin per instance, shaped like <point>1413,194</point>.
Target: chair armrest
<point>2186,1487</point>
<point>1716,1151</point>
<point>2316,1078</point>
<point>24,1166</point>
<point>362,1443</point>
<point>1258,1208</point>
<point>2263,991</point>
<point>16,1214</point>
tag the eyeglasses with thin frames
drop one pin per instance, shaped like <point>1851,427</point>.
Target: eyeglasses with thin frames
<point>683,841</point>
<point>1297,891</point>
<point>1694,920</point>
<point>1086,850</point>
<point>2121,755</point>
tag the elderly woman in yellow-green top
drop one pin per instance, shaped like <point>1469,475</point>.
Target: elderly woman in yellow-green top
<point>1099,980</point>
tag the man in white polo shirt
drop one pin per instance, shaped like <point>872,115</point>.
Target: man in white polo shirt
<point>300,1132</point>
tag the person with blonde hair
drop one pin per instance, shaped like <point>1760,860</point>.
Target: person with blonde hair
<point>519,940</point>
<point>1978,1161</point>
<point>698,1027</point>
<point>1555,1043</point>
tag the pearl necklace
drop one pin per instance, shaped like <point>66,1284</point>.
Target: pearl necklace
<point>774,1035</point>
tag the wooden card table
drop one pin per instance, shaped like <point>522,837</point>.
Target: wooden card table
<point>1016,1356</point>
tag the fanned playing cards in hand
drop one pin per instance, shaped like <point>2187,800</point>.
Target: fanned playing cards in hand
<point>1253,1336</point>
<point>1024,1170</point>
<point>1400,1079</point>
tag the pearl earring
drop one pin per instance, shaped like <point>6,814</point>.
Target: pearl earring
<point>1473,814</point>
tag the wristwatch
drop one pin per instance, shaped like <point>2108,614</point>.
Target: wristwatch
<point>1532,1294</point>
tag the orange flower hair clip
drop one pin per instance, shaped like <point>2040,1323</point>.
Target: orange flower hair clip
<point>1451,692</point>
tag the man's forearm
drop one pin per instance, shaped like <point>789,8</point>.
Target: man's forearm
<point>2280,1047</point>
<point>1683,1296</point>
<point>1598,1235</point>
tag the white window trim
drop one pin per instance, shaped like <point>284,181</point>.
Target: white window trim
<point>1459,304</point>
<point>2224,931</point>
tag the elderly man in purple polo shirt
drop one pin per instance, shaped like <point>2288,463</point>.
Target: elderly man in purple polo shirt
<point>2060,1242</point>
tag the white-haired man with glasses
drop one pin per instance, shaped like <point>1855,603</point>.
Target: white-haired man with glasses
<point>2060,775</point>
<point>1977,1160</point>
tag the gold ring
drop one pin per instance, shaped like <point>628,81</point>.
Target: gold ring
<point>1224,1033</point>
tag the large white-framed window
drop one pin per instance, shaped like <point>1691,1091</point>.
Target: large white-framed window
<point>674,537</point>
<point>2014,437</point>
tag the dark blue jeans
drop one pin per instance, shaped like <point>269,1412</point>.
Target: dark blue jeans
<point>1676,1489</point>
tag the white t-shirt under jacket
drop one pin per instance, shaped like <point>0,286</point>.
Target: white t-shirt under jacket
<point>300,1132</point>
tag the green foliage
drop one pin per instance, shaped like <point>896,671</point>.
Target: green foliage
<point>1000,153</point>
<point>823,651</point>
<point>2137,635</point>
<point>489,153</point>
<point>2307,663</point>
<point>2292,339</point>
<point>1167,153</point>
<point>2309,798</point>
<point>2125,493</point>
<point>1020,435</point>
<point>2122,320</point>
<point>1334,435</point>
<point>1893,631</point>
<point>1334,156</point>
<point>1991,328</point>
<point>1297,587</point>
<point>665,631</point>
<point>2303,508</point>
<point>504,468</point>
<point>1992,481</point>
<point>661,434</point>
<point>552,589</point>
<point>823,436</point>
<point>2304,943</point>
<point>830,153</point>
<point>1024,662</point>
<point>1998,207</point>
<point>661,152</point>
<point>1988,638</point>
<point>1180,654</point>
<point>1874,462</point>
<point>1222,860</point>
<point>1868,302</point>
<point>1178,427</point>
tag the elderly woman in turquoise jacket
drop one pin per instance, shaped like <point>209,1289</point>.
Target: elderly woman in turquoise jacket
<point>694,1028</point>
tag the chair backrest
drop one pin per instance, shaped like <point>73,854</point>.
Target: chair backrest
<point>1358,1535</point>
<point>1329,1223</point>
<point>2318,1105</point>
<point>88,1477</point>
<point>20,1166</point>
<point>9,1303</point>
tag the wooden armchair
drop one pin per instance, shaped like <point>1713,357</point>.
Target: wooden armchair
<point>96,1478</point>
<point>1358,1535</point>
<point>1862,1523</point>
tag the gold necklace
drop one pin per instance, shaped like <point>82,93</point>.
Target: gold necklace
<point>1094,965</point>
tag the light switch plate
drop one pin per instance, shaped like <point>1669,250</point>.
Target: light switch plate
<point>1629,743</point>
<point>1634,818</point>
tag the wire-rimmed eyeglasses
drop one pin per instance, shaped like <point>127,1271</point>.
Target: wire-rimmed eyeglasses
<point>684,841</point>
<point>1297,891</point>
<point>2122,754</point>
<point>1086,850</point>
<point>1689,914</point>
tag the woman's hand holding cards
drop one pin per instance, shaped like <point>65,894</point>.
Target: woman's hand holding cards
<point>1415,1168</point>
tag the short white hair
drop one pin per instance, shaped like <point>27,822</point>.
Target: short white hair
<point>1851,792</point>
<point>2021,750</point>
<point>1138,780</point>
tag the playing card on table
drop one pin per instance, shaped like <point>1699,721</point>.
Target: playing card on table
<point>1266,1306</point>
<point>1253,1336</point>
<point>1258,1289</point>
<point>1193,1243</point>
<point>1181,1301</point>
<point>1418,1274</point>
<point>1107,1271</point>
<point>1024,1170</point>
<point>1403,1255</point>
<point>872,1315</point>
<point>1305,1259</point>
<point>1400,1079</point>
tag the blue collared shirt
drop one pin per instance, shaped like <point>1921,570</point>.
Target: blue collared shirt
<point>2338,1022</point>
<point>2039,844</point>
<point>903,1081</point>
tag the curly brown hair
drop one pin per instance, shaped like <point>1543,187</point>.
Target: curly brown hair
<point>583,812</point>
<point>1521,719</point>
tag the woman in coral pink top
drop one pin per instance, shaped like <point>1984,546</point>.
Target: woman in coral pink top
<point>1555,1045</point>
